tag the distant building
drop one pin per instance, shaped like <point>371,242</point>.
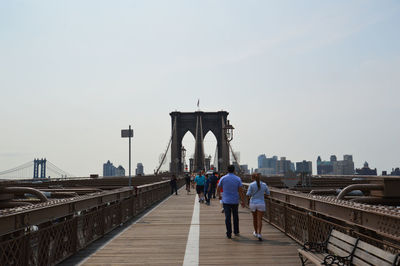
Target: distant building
<point>191,165</point>
<point>139,169</point>
<point>120,171</point>
<point>335,167</point>
<point>345,167</point>
<point>283,166</point>
<point>304,167</point>
<point>366,170</point>
<point>207,162</point>
<point>395,172</point>
<point>267,166</point>
<point>108,169</point>
<point>262,161</point>
<point>325,167</point>
<point>245,169</point>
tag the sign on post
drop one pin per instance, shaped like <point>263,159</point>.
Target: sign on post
<point>128,133</point>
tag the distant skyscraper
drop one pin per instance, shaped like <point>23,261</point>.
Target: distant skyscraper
<point>335,167</point>
<point>345,167</point>
<point>283,166</point>
<point>262,161</point>
<point>108,169</point>
<point>120,171</point>
<point>139,169</point>
<point>304,167</point>
<point>325,167</point>
<point>266,166</point>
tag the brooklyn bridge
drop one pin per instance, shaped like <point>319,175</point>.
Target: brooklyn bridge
<point>103,221</point>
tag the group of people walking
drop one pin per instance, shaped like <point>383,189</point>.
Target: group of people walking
<point>229,190</point>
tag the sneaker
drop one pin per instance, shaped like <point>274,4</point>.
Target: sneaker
<point>237,234</point>
<point>259,237</point>
<point>255,234</point>
<point>228,236</point>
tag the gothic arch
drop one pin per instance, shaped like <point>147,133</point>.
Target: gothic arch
<point>198,123</point>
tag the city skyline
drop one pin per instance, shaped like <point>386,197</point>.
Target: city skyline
<point>300,79</point>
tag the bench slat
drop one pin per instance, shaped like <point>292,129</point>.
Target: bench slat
<point>361,255</point>
<point>341,244</point>
<point>343,237</point>
<point>359,262</point>
<point>365,247</point>
<point>316,258</point>
<point>337,251</point>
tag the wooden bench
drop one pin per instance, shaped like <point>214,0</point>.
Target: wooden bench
<point>341,249</point>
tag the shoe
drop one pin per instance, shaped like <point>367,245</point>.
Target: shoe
<point>229,236</point>
<point>255,234</point>
<point>208,204</point>
<point>222,211</point>
<point>259,237</point>
<point>237,234</point>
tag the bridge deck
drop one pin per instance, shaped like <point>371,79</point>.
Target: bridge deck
<point>160,238</point>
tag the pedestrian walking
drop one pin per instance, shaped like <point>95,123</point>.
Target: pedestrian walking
<point>213,182</point>
<point>187,181</point>
<point>207,189</point>
<point>220,197</point>
<point>192,180</point>
<point>256,192</point>
<point>232,186</point>
<point>200,180</point>
<point>174,185</point>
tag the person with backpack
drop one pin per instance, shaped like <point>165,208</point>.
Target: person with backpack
<point>256,192</point>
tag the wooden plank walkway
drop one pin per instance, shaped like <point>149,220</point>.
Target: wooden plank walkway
<point>160,238</point>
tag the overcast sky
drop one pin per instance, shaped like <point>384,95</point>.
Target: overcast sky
<point>298,78</point>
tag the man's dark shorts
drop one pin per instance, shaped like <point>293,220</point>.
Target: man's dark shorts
<point>199,189</point>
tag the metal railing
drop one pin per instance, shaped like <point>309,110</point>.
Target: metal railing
<point>305,217</point>
<point>48,233</point>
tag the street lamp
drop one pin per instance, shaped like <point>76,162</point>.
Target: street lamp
<point>228,130</point>
<point>183,153</point>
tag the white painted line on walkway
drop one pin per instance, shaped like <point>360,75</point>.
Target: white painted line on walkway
<point>192,245</point>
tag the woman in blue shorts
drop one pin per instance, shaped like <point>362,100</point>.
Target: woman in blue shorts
<point>256,192</point>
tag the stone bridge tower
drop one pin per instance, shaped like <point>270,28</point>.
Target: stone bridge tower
<point>198,123</point>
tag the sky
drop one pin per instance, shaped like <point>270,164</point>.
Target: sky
<point>299,79</point>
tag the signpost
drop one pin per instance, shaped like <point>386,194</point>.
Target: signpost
<point>128,133</point>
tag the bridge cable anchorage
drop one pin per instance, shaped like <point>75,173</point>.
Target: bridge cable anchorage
<point>18,168</point>
<point>169,144</point>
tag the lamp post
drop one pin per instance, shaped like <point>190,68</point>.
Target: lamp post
<point>128,133</point>
<point>183,153</point>
<point>228,129</point>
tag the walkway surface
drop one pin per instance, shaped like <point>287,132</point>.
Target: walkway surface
<point>181,231</point>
